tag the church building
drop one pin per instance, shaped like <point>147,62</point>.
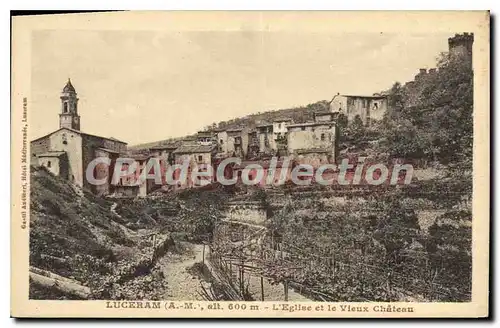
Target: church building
<point>68,151</point>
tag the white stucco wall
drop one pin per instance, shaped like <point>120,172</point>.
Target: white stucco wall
<point>73,149</point>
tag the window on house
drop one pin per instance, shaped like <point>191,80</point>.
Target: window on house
<point>200,158</point>
<point>279,125</point>
<point>65,107</point>
<point>375,106</point>
<point>48,164</point>
<point>221,141</point>
<point>64,140</point>
<point>303,128</point>
<point>322,137</point>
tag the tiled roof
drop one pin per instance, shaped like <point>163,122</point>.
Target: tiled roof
<point>264,125</point>
<point>52,154</point>
<point>204,134</point>
<point>81,133</point>
<point>170,145</point>
<point>236,129</point>
<point>323,112</point>
<point>69,87</point>
<point>311,150</point>
<point>108,150</point>
<point>193,149</point>
<point>365,96</point>
<point>139,157</point>
<point>310,124</point>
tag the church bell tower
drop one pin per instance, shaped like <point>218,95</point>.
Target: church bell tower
<point>69,117</point>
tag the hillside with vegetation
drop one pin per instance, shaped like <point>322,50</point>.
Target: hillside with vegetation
<point>77,236</point>
<point>437,125</point>
<point>379,249</point>
<point>87,247</point>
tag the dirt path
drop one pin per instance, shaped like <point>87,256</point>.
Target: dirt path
<point>182,286</point>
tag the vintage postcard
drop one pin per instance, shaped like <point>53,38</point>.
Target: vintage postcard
<point>250,164</point>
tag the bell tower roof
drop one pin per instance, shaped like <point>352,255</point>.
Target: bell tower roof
<point>69,118</point>
<point>69,87</point>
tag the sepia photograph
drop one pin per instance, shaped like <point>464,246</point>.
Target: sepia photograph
<point>252,164</point>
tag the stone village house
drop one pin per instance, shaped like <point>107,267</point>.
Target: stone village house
<point>198,155</point>
<point>368,108</point>
<point>232,141</point>
<point>165,152</point>
<point>129,185</point>
<point>315,142</point>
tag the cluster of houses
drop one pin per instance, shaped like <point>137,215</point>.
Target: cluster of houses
<point>68,151</point>
<point>314,143</point>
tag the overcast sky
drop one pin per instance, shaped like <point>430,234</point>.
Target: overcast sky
<point>147,86</point>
